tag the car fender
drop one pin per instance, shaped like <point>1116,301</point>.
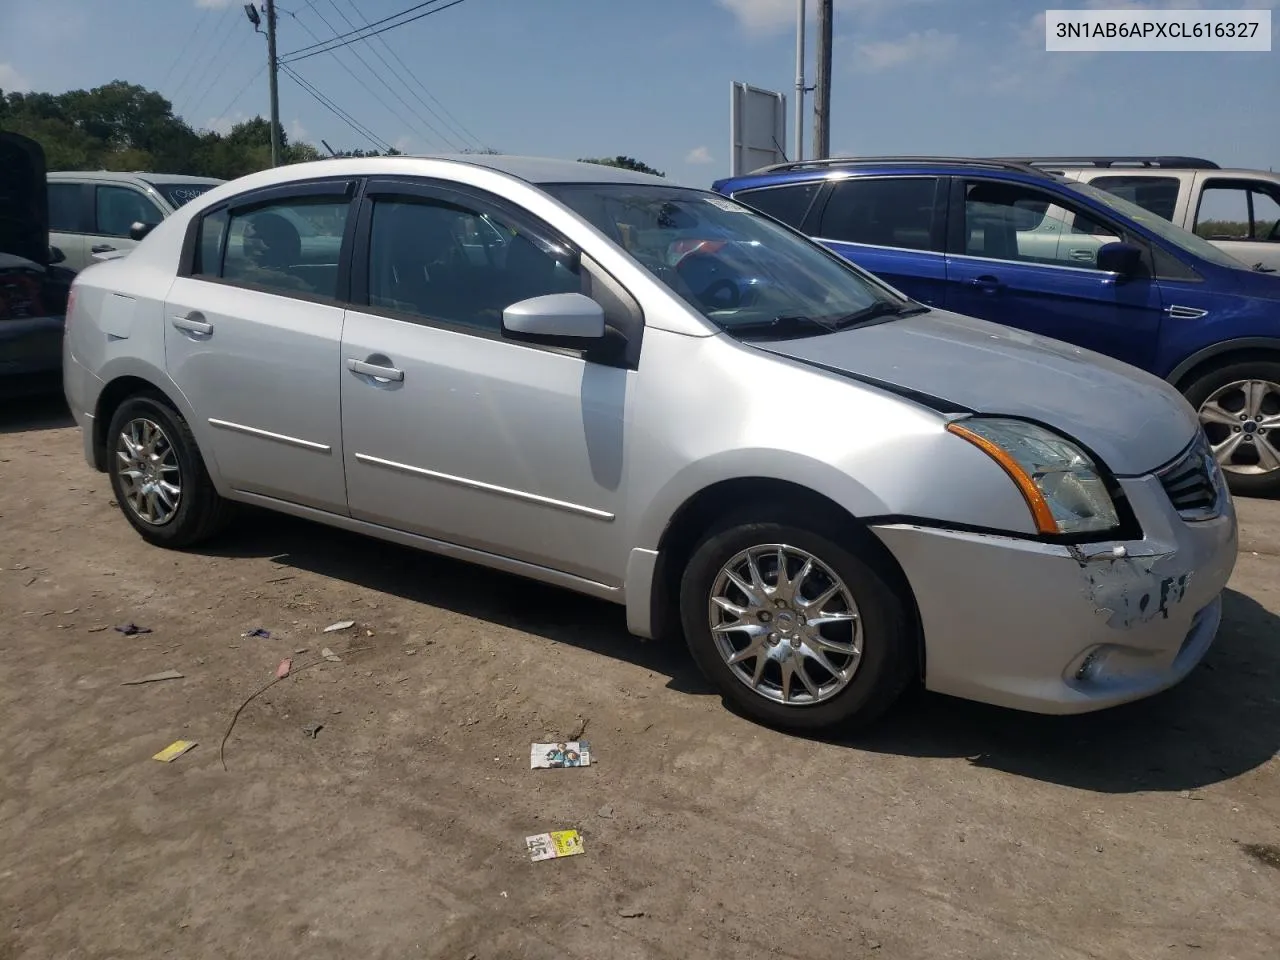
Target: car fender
<point>1236,345</point>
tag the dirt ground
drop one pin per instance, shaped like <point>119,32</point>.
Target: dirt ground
<point>951,830</point>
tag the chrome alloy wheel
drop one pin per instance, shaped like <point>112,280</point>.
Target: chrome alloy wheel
<point>149,471</point>
<point>786,624</point>
<point>1242,422</point>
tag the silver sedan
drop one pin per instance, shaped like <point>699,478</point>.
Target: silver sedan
<point>653,395</point>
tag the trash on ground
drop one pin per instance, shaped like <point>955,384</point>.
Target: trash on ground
<point>629,912</point>
<point>174,750</point>
<point>99,629</point>
<point>605,812</point>
<point>557,843</point>
<point>257,632</point>
<point>340,625</point>
<point>132,629</point>
<point>302,650</point>
<point>152,678</point>
<point>282,671</point>
<point>570,753</point>
<point>311,729</point>
<point>330,655</point>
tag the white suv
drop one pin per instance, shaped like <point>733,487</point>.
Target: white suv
<point>103,211</point>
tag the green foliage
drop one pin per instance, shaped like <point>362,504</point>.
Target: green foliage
<point>122,126</point>
<point>626,163</point>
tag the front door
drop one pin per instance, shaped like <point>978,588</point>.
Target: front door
<point>452,431</point>
<point>116,209</point>
<point>1023,257</point>
<point>252,338</point>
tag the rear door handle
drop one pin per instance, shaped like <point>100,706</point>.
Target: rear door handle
<point>374,370</point>
<point>987,284</point>
<point>193,322</point>
<point>101,248</point>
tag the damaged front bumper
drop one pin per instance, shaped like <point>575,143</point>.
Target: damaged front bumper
<point>1057,629</point>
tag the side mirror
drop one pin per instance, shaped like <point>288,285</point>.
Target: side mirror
<point>139,230</point>
<point>1122,259</point>
<point>557,319</point>
<point>56,255</point>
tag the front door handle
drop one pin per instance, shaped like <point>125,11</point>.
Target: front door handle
<point>374,370</point>
<point>193,322</point>
<point>101,248</point>
<point>987,284</point>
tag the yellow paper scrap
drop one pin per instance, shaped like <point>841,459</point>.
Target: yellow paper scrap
<point>174,750</point>
<point>557,843</point>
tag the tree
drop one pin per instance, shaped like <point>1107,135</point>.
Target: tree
<point>626,163</point>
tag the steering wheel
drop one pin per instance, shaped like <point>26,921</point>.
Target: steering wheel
<point>704,274</point>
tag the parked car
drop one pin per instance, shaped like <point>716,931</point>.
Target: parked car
<point>102,211</point>
<point>1236,210</point>
<point>33,288</point>
<point>830,489</point>
<point>1003,241</point>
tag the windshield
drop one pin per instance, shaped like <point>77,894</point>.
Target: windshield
<point>179,193</point>
<point>737,268</point>
<point>1164,229</point>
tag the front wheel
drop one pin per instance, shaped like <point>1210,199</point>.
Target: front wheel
<point>1239,408</point>
<point>797,631</point>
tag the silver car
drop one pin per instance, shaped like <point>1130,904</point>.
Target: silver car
<point>653,395</point>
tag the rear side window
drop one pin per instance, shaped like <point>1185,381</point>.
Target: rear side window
<point>1238,211</point>
<point>119,208</point>
<point>64,208</point>
<point>788,204</point>
<point>882,212</point>
<point>1159,195</point>
<point>290,246</point>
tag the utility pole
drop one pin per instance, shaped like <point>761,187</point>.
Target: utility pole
<point>822,84</point>
<point>273,67</point>
<point>798,149</point>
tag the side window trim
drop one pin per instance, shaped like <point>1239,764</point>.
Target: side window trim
<point>429,189</point>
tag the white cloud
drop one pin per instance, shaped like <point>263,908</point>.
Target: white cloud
<point>699,155</point>
<point>767,16</point>
<point>216,4</point>
<point>224,123</point>
<point>296,131</point>
<point>11,81</point>
<point>929,45</point>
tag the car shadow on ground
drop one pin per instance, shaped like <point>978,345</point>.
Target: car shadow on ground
<point>39,411</point>
<point>1222,721</point>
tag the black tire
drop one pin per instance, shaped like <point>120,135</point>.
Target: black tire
<point>888,661</point>
<point>1211,381</point>
<point>201,512</point>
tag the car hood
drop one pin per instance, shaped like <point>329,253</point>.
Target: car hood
<point>1130,419</point>
<point>24,205</point>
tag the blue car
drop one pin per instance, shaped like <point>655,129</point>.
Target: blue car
<point>1013,244</point>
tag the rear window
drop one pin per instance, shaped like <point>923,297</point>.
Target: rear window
<point>884,212</point>
<point>179,193</point>
<point>1157,194</point>
<point>789,203</point>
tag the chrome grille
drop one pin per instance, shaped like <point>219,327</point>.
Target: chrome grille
<point>1194,483</point>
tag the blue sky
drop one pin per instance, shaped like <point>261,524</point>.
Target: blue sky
<point>651,79</point>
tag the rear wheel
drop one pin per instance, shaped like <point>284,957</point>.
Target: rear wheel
<point>1239,408</point>
<point>159,477</point>
<point>797,631</point>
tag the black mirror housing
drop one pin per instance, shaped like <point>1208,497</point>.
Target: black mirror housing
<point>139,230</point>
<point>1122,259</point>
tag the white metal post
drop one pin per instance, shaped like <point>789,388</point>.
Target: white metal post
<point>799,117</point>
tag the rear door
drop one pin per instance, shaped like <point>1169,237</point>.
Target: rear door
<point>1240,217</point>
<point>69,217</point>
<point>1026,257</point>
<point>116,208</point>
<point>891,226</point>
<point>253,335</point>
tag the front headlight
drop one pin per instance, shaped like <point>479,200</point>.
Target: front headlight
<point>1059,481</point>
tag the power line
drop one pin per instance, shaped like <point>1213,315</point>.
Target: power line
<point>337,111</point>
<point>186,46</point>
<point>452,121</point>
<point>243,90</point>
<point>348,39</point>
<point>202,89</point>
<point>349,33</point>
<point>395,93</point>
<point>199,61</point>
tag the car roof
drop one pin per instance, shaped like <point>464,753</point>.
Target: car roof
<point>839,168</point>
<point>542,170</point>
<point>153,178</point>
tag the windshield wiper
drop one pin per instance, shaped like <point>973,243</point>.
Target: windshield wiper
<point>784,326</point>
<point>879,310</point>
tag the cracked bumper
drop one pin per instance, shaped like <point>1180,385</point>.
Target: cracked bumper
<point>1045,628</point>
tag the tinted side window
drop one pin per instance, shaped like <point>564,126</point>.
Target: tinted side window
<point>289,246</point>
<point>788,204</point>
<point>1005,221</point>
<point>1223,213</point>
<point>883,212</point>
<point>457,264</point>
<point>119,208</point>
<point>1266,215</point>
<point>208,262</point>
<point>64,208</point>
<point>1157,194</point>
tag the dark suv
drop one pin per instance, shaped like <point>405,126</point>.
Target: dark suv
<point>1020,246</point>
